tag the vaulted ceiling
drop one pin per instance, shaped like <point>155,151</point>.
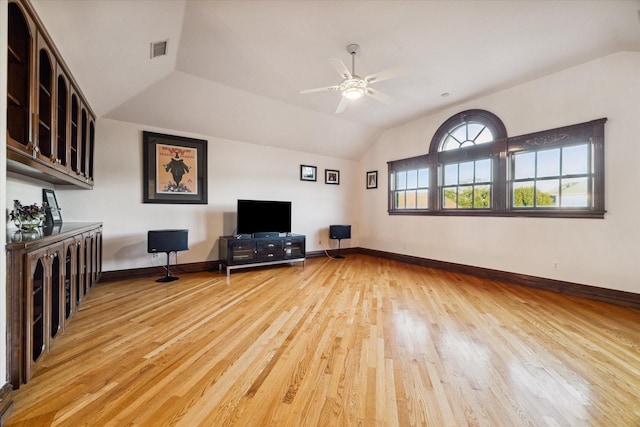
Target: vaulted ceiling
<point>235,69</point>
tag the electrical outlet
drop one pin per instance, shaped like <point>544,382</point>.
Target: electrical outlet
<point>154,255</point>
<point>555,265</point>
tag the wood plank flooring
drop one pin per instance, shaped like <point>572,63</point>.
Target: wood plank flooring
<point>360,341</point>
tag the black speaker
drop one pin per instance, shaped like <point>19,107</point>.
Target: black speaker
<point>339,232</point>
<point>266,234</point>
<point>167,240</point>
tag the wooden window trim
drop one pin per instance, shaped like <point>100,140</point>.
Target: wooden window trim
<point>500,151</point>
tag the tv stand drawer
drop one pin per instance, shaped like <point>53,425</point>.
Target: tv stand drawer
<point>269,250</point>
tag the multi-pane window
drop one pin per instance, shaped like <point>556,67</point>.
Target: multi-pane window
<point>473,168</point>
<point>553,178</point>
<point>467,185</point>
<point>411,189</point>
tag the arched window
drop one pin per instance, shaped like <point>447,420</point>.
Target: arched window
<point>463,148</point>
<point>472,168</point>
<point>466,134</point>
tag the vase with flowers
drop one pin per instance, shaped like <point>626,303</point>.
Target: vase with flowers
<point>27,217</point>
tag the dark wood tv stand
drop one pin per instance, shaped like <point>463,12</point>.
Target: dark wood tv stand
<point>242,251</point>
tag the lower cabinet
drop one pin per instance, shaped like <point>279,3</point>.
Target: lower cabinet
<point>240,252</point>
<point>48,275</point>
<point>43,316</point>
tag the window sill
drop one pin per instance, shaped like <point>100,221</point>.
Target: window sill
<point>513,213</point>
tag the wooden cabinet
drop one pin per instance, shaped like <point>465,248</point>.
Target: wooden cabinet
<point>44,92</point>
<point>70,278</point>
<point>50,126</point>
<point>44,272</point>
<point>48,274</point>
<point>19,69</point>
<point>246,252</point>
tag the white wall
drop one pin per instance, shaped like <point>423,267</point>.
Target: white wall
<point>599,252</point>
<point>235,170</point>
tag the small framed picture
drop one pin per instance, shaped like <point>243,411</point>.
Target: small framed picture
<point>308,173</point>
<point>372,179</point>
<point>52,210</point>
<point>331,176</point>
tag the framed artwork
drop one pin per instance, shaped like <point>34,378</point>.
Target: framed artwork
<point>52,209</point>
<point>174,169</point>
<point>308,173</point>
<point>331,176</point>
<point>372,179</point>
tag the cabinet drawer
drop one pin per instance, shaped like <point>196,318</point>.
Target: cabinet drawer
<point>241,247</point>
<point>269,250</point>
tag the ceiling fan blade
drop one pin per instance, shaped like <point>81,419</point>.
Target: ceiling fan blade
<point>341,68</point>
<point>342,105</point>
<point>319,89</point>
<point>386,75</point>
<point>379,96</point>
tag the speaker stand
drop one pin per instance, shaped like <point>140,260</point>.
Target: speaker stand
<point>339,256</point>
<point>168,277</point>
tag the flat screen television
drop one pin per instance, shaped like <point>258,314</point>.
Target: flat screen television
<point>259,216</point>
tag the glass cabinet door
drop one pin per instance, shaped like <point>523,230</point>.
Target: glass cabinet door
<point>62,125</point>
<point>55,299</point>
<point>84,136</point>
<point>79,273</point>
<point>69,280</point>
<point>18,79</point>
<point>36,315</point>
<point>91,149</point>
<point>74,120</point>
<point>45,103</point>
<point>37,279</point>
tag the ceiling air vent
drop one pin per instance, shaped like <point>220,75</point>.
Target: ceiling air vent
<point>159,48</point>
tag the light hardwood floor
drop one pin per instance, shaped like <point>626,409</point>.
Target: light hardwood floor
<point>360,341</point>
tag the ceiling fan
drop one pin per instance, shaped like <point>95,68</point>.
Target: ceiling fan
<point>352,86</point>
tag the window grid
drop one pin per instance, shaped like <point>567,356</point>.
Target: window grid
<point>410,189</point>
<point>467,185</point>
<point>465,135</point>
<point>557,178</point>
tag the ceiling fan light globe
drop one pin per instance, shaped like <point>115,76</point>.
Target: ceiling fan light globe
<point>353,88</point>
<point>353,93</point>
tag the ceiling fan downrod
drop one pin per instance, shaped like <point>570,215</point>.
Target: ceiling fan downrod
<point>353,49</point>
